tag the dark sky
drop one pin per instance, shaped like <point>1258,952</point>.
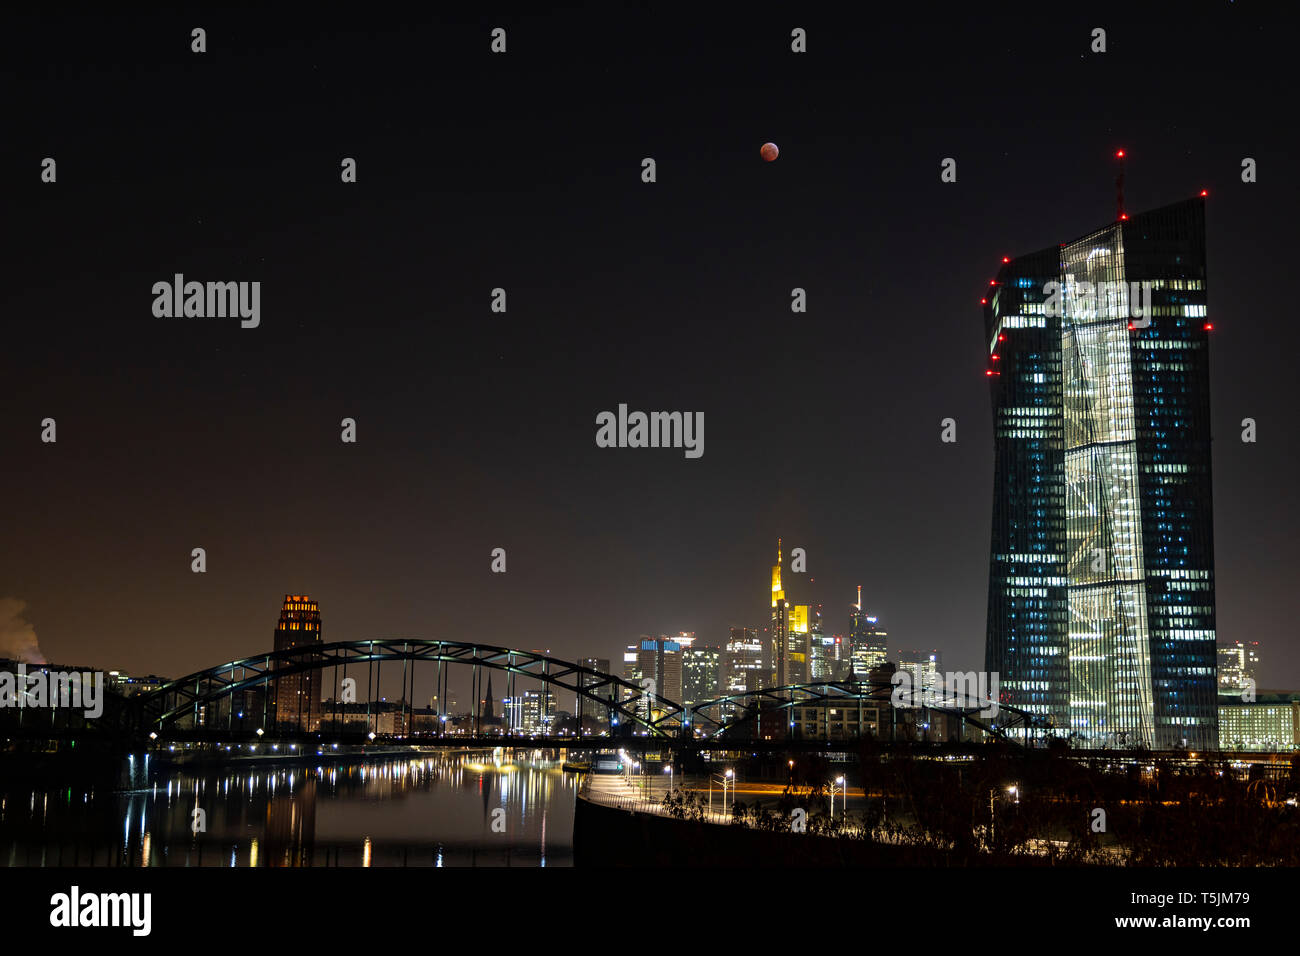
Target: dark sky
<point>477,430</point>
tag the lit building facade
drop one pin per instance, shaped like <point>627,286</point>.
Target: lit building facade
<point>537,711</point>
<point>701,673</point>
<point>656,659</point>
<point>297,697</point>
<point>1238,665</point>
<point>823,650</point>
<point>743,662</point>
<point>926,670</point>
<point>1270,722</point>
<point>1101,608</point>
<point>797,635</point>
<point>868,640</point>
<point>778,632</point>
<point>588,711</point>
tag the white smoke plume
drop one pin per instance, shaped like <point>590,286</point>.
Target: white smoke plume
<point>17,636</point>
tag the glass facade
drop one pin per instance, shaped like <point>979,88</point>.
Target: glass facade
<point>1028,635</point>
<point>1101,586</point>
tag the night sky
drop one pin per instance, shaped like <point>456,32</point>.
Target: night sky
<point>523,171</point>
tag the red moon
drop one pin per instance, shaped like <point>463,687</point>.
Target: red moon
<point>769,151</point>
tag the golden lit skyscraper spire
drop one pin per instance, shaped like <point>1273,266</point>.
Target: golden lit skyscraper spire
<point>778,594</point>
<point>859,597</point>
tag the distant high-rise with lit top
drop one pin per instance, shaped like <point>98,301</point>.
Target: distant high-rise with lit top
<point>1101,611</point>
<point>868,641</point>
<point>297,696</point>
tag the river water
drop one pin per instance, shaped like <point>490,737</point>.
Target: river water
<point>427,809</point>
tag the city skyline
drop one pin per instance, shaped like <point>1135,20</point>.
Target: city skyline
<point>823,427</point>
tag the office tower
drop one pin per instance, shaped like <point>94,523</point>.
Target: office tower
<point>1269,722</point>
<point>588,710</point>
<point>297,696</point>
<point>1238,664</point>
<point>684,639</point>
<point>778,633</point>
<point>868,641</point>
<point>512,711</point>
<point>823,659</point>
<point>537,711</point>
<point>925,668</point>
<point>743,658</point>
<point>1101,609</point>
<point>796,634</point>
<point>701,672</point>
<point>655,659</point>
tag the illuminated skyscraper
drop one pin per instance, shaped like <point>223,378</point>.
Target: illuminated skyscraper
<point>925,668</point>
<point>297,696</point>
<point>1101,581</point>
<point>701,673</point>
<point>823,651</point>
<point>797,635</point>
<point>743,662</point>
<point>657,660</point>
<point>1238,664</point>
<point>778,634</point>
<point>590,710</point>
<point>868,641</point>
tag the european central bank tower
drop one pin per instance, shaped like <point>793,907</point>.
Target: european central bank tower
<point>1101,575</point>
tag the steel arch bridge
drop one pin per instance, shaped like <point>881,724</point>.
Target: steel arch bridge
<point>207,698</point>
<point>733,711</point>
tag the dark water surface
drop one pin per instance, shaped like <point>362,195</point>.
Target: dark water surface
<point>425,809</point>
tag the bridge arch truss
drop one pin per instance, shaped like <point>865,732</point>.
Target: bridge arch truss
<point>210,699</point>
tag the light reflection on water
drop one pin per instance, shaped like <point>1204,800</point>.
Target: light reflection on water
<point>429,809</point>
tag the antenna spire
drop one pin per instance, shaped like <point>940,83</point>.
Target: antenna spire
<point>1119,188</point>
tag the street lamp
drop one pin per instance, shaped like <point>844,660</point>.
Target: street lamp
<point>1013,791</point>
<point>669,770</point>
<point>723,779</point>
<point>844,789</point>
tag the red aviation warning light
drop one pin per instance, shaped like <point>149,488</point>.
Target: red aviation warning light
<point>984,301</point>
<point>1006,259</point>
<point>1205,192</point>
